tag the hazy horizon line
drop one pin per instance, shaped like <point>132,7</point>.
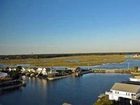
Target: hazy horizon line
<point>67,53</point>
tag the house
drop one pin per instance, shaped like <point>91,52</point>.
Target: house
<point>39,70</point>
<point>58,70</point>
<point>44,72</point>
<point>138,68</point>
<point>136,55</point>
<point>31,70</point>
<point>121,91</point>
<point>3,75</point>
<point>8,69</point>
<point>23,70</point>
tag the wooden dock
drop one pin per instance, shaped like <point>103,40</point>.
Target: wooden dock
<point>57,77</point>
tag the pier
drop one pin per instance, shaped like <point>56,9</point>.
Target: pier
<point>12,84</point>
<point>57,77</point>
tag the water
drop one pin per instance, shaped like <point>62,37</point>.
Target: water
<point>77,91</point>
<point>129,63</point>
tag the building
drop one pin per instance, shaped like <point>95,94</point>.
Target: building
<point>39,70</point>
<point>58,70</point>
<point>136,56</point>
<point>31,70</point>
<point>3,75</point>
<point>124,91</point>
<point>138,68</point>
<point>23,70</point>
<point>83,68</point>
<point>44,71</point>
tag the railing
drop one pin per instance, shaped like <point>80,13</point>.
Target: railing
<point>119,95</point>
<point>108,93</point>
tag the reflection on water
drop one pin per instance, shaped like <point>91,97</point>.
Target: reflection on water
<point>77,91</point>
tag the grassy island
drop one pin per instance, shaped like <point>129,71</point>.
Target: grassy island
<point>71,61</point>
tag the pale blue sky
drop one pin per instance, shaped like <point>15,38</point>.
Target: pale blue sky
<point>69,26</point>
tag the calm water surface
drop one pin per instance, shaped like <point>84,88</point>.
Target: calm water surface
<point>77,91</point>
<point>128,63</point>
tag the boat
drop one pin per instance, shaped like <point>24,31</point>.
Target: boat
<point>135,79</point>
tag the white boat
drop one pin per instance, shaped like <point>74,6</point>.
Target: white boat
<point>134,79</point>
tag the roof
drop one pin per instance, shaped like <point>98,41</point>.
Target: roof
<point>126,87</point>
<point>3,74</point>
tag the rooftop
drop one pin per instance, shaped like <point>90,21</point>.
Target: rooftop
<point>126,87</point>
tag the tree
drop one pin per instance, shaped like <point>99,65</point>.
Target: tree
<point>16,74</point>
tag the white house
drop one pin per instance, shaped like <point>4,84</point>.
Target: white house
<point>9,69</point>
<point>138,68</point>
<point>31,70</point>
<point>58,70</point>
<point>123,90</point>
<point>136,55</point>
<point>23,70</point>
<point>3,75</point>
<point>39,70</point>
<point>44,72</point>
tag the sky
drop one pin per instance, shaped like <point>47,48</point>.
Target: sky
<point>69,26</point>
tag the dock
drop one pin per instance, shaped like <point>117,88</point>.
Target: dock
<point>57,77</point>
<point>13,84</point>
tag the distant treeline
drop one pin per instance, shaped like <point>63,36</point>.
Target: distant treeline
<point>60,55</point>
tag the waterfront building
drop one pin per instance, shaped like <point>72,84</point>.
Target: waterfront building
<point>23,70</point>
<point>8,69</point>
<point>136,56</point>
<point>125,91</point>
<point>58,70</point>
<point>44,72</point>
<point>11,68</point>
<point>31,70</point>
<point>3,75</point>
<point>39,70</point>
<point>138,68</point>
